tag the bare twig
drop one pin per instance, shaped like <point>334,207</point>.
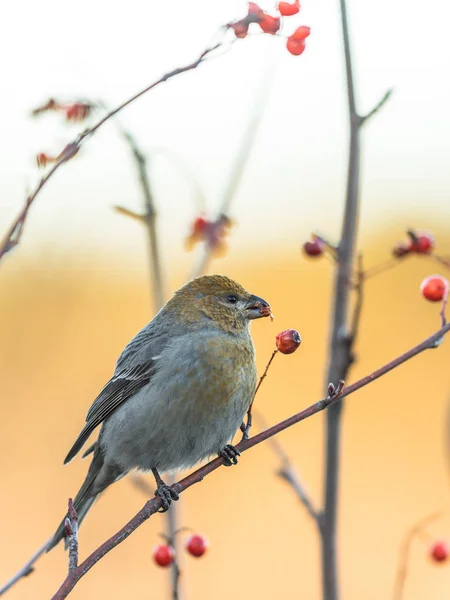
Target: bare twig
<point>441,260</point>
<point>390,263</point>
<point>245,428</point>
<point>341,339</point>
<point>153,505</point>
<point>377,106</point>
<point>357,311</point>
<point>27,569</point>
<point>149,218</point>
<point>405,548</point>
<point>14,233</point>
<point>238,166</point>
<point>289,474</point>
<point>71,527</point>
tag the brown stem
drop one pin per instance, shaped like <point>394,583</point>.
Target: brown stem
<point>288,473</point>
<point>403,560</point>
<point>237,168</point>
<point>341,340</point>
<point>14,233</point>
<point>71,526</point>
<point>149,218</point>
<point>246,428</point>
<point>27,569</point>
<point>153,505</point>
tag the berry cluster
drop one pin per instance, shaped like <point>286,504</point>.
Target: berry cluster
<point>214,233</point>
<point>434,288</point>
<point>73,112</point>
<point>418,243</point>
<point>271,24</point>
<point>164,554</point>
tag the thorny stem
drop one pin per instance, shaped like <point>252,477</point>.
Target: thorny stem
<point>405,548</point>
<point>153,505</point>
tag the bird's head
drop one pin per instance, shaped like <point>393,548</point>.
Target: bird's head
<point>220,301</point>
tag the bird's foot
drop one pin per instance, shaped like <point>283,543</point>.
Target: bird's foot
<point>167,494</point>
<point>230,455</point>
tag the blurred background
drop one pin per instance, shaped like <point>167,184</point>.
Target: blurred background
<point>77,288</point>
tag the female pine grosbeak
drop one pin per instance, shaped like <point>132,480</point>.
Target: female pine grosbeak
<point>179,393</point>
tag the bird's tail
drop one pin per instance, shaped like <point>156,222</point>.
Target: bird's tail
<point>98,478</point>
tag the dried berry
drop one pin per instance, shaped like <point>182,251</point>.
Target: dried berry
<point>288,341</point>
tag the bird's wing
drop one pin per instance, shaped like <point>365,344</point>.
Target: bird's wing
<point>119,388</point>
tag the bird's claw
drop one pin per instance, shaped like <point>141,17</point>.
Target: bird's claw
<point>167,494</point>
<point>230,455</point>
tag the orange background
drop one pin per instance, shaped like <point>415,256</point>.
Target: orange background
<point>63,325</point>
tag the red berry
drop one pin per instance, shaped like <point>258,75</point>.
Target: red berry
<point>240,29</point>
<point>287,10</point>
<point>42,159</point>
<point>269,24</point>
<point>422,243</point>
<point>439,551</point>
<point>77,111</point>
<point>254,10</point>
<point>434,288</point>
<point>314,247</point>
<point>163,555</point>
<point>200,225</point>
<point>401,249</point>
<point>301,33</point>
<point>288,341</point>
<point>196,545</point>
<point>295,48</point>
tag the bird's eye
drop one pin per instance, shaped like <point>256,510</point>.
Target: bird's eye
<point>232,299</point>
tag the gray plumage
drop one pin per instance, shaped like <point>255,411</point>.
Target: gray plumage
<point>180,390</point>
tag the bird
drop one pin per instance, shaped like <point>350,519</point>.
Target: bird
<point>179,393</point>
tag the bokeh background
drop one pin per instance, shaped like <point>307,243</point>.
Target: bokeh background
<point>77,288</point>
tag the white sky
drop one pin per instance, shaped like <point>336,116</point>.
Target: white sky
<point>295,179</point>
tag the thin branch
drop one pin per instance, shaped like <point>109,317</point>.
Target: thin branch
<point>14,232</point>
<point>377,106</point>
<point>340,346</point>
<point>149,218</point>
<point>246,428</point>
<point>405,549</point>
<point>153,505</point>
<point>390,263</point>
<point>238,166</point>
<point>27,569</point>
<point>288,473</point>
<point>441,260</point>
<point>357,311</point>
<point>71,527</point>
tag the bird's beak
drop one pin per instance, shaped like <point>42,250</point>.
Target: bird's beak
<point>256,308</point>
